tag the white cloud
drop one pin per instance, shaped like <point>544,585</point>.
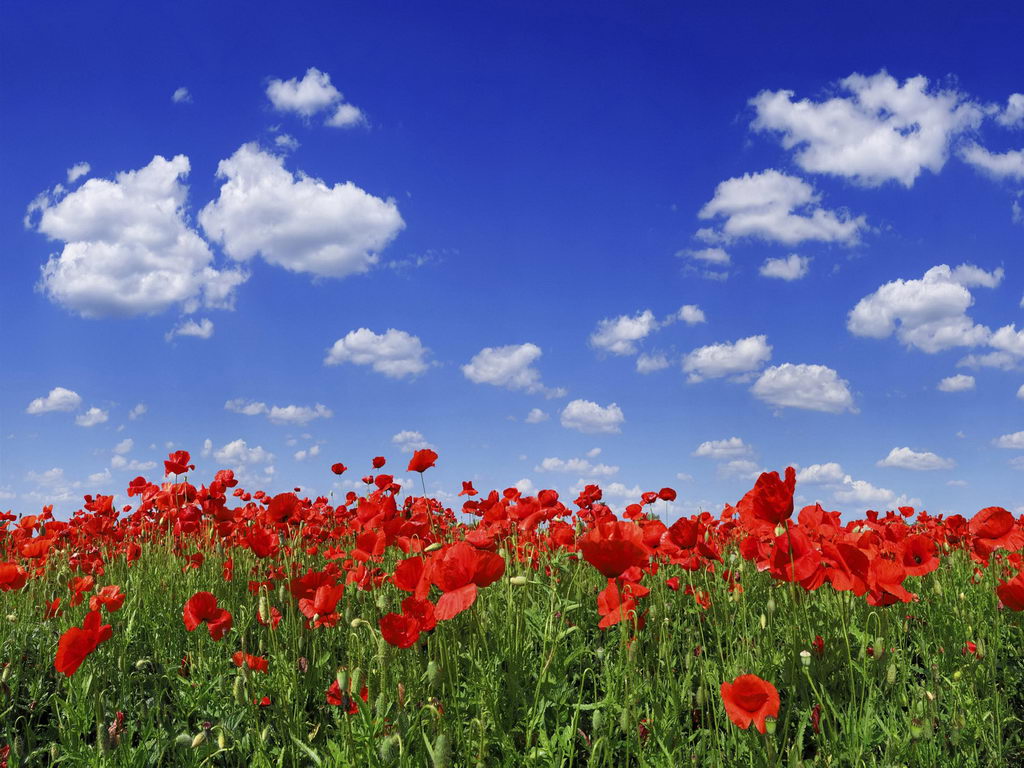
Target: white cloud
<point>238,453</point>
<point>510,367</point>
<point>1012,115</point>
<point>91,417</point>
<point>296,222</point>
<point>279,414</point>
<point>59,399</point>
<point>1018,463</point>
<point>181,96</point>
<point>207,448</point>
<point>1008,339</point>
<point>722,449</point>
<point>793,267</point>
<point>313,450</point>
<point>100,477</point>
<point>958,383</point>
<point>77,171</point>
<point>313,93</point>
<point>525,486</point>
<point>905,458</point>
<point>1001,360</point>
<point>742,468</point>
<point>829,473</point>
<point>286,142</point>
<point>1014,440</point>
<point>1000,165</point>
<point>863,492</point>
<point>409,441</point>
<point>124,446</point>
<point>128,249</point>
<point>812,387</point>
<point>346,116</point>
<point>882,131</point>
<point>393,353</point>
<point>716,256</point>
<point>593,453</point>
<point>619,335</point>
<point>1020,392</point>
<point>536,416</point>
<point>957,483</point>
<point>121,463</point>
<point>137,411</point>
<point>201,329</point>
<point>590,418</point>
<point>717,360</point>
<point>929,313</point>
<point>691,314</point>
<point>775,207</point>
<point>48,478</point>
<point>577,466</point>
<point>648,363</point>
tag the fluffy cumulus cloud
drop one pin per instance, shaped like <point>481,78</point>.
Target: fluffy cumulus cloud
<point>619,335</point>
<point>1013,440</point>
<point>728,359</point>
<point>723,449</point>
<point>846,490</point>
<point>1012,115</point>
<point>92,417</point>
<point>716,256</point>
<point>139,409</point>
<point>958,383</point>
<point>651,362</point>
<point>312,94</point>
<point>821,474</point>
<point>536,416</point>
<point>58,399</point>
<point>878,131</point>
<point>691,314</point>
<point>793,267</point>
<point>510,367</point>
<point>1000,165</point>
<point>198,329</point>
<point>77,171</point>
<point>296,221</point>
<point>393,353</point>
<point>590,418</point>
<point>576,466</point>
<point>279,414</point>
<point>811,387</point>
<point>408,441</point>
<point>929,313</point>
<point>238,453</point>
<point>905,458</point>
<point>773,206</point>
<point>128,248</point>
<point>124,446</point>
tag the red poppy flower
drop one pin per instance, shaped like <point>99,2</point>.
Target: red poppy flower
<point>262,703</point>
<point>255,663</point>
<point>1011,593</point>
<point>378,462</point>
<point>422,460</point>
<point>321,608</point>
<point>12,577</point>
<point>459,571</point>
<point>338,468</point>
<point>770,500</point>
<point>667,494</point>
<point>917,552</point>
<point>467,488</point>
<point>273,621</point>
<point>749,699</point>
<point>178,463</point>
<point>399,630</point>
<point>202,606</point>
<point>614,547</point>
<point>78,642</point>
<point>339,698</point>
<point>110,597</point>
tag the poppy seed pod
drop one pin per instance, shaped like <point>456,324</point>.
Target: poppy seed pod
<point>805,658</point>
<point>442,756</point>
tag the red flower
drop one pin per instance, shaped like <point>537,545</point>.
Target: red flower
<point>177,463</point>
<point>771,498</point>
<point>262,703</point>
<point>422,460</point>
<point>467,488</point>
<point>969,647</point>
<point>78,642</point>
<point>275,618</point>
<point>12,577</point>
<point>202,606</point>
<point>378,462</point>
<point>667,494</point>
<point>339,698</point>
<point>399,630</point>
<point>255,663</point>
<point>321,608</point>
<point>110,597</point>
<point>338,468</point>
<point>749,699</point>
<point>460,570</point>
<point>1011,593</point>
<point>614,547</point>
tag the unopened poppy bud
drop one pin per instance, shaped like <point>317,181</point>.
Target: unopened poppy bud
<point>222,739</point>
<point>763,620</point>
<point>770,606</point>
<point>12,617</point>
<point>381,603</point>
<point>432,547</point>
<point>980,648</point>
<point>879,648</point>
<point>54,752</point>
<point>357,679</point>
<point>916,731</point>
<point>183,740</point>
<point>518,580</point>
<point>264,605</point>
<point>929,695</point>
<point>142,664</point>
<point>957,675</point>
<point>433,675</point>
<point>238,690</point>
<point>596,721</point>
<point>442,756</point>
<point>357,622</point>
<point>701,696</point>
<point>265,734</point>
<point>780,529</point>
<point>890,673</point>
<point>625,721</point>
<point>963,596</point>
<point>389,749</point>
<point>937,587</point>
<point>5,674</point>
<point>198,740</point>
<point>103,738</point>
<point>805,658</point>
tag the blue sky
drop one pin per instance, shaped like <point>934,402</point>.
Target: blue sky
<point>560,245</point>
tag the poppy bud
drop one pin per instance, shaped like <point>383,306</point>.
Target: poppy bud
<point>357,679</point>
<point>957,675</point>
<point>701,696</point>
<point>769,607</point>
<point>238,690</point>
<point>265,734</point>
<point>389,749</point>
<point>763,620</point>
<point>624,720</point>
<point>18,748</point>
<point>432,547</point>
<point>5,674</point>
<point>879,648</point>
<point>342,677</point>
<point>222,739</point>
<point>980,649</point>
<point>433,675</point>
<point>890,673</point>
<point>264,605</point>
<point>54,752</point>
<point>103,738</point>
<point>937,587</point>
<point>518,580</point>
<point>198,740</point>
<point>442,756</point>
<point>596,720</point>
<point>183,740</point>
<point>381,603</point>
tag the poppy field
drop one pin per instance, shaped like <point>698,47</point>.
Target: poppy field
<point>202,624</point>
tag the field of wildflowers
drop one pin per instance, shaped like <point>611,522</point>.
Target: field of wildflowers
<point>204,625</point>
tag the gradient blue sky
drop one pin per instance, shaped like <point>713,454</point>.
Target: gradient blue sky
<point>511,174</point>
